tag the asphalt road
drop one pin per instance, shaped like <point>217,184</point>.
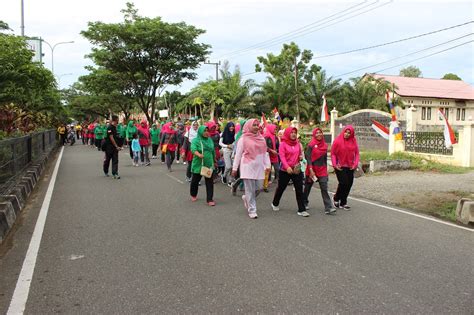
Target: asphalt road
<point>138,245</point>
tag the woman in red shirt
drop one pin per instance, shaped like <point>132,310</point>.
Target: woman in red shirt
<point>316,154</point>
<point>345,159</point>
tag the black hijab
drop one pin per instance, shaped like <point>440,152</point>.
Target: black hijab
<point>228,137</point>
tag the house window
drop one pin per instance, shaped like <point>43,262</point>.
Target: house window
<point>446,113</point>
<point>428,113</point>
<point>463,114</point>
<point>423,113</point>
<point>458,114</point>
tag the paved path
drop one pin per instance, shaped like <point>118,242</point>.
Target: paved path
<point>138,245</point>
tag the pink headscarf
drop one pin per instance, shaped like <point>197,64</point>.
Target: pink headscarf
<point>254,144</point>
<point>286,136</point>
<point>166,129</point>
<point>270,133</point>
<point>237,128</point>
<point>212,127</point>
<point>321,145</point>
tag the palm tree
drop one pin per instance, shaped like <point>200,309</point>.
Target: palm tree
<point>317,85</point>
<point>236,91</point>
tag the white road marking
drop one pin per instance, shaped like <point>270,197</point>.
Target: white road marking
<point>22,289</point>
<point>76,257</point>
<point>176,179</point>
<point>412,214</point>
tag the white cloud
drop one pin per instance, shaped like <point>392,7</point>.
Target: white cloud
<point>234,25</point>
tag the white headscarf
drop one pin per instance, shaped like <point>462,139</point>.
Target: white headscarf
<point>191,134</point>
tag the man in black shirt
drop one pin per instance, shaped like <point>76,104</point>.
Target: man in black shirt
<point>112,148</point>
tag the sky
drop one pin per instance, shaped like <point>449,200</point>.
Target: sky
<point>263,26</point>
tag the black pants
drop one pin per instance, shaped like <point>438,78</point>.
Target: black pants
<point>120,142</point>
<point>345,177</point>
<point>63,139</point>
<point>170,155</point>
<point>78,134</point>
<point>283,180</point>
<point>188,170</point>
<point>111,154</point>
<point>154,149</point>
<point>130,149</point>
<point>209,186</point>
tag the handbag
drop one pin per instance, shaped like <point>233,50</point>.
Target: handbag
<point>164,147</point>
<point>205,171</point>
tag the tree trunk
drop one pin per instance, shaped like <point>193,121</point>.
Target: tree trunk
<point>213,109</point>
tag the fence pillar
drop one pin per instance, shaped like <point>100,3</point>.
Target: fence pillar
<point>411,118</point>
<point>466,144</point>
<point>334,113</point>
<point>393,144</point>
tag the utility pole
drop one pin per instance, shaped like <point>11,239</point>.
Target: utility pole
<point>217,64</point>
<point>22,18</point>
<point>297,94</point>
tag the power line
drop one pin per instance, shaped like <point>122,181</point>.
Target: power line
<point>288,33</point>
<point>404,56</point>
<point>438,52</point>
<point>393,42</point>
<point>322,26</point>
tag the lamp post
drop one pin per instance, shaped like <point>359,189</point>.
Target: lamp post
<point>52,51</point>
<point>60,76</point>
<point>217,64</point>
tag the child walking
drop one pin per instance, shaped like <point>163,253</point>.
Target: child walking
<point>136,149</point>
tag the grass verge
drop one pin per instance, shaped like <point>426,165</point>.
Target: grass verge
<point>417,163</point>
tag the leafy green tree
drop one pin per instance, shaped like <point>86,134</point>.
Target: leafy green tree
<point>148,52</point>
<point>27,84</point>
<point>208,95</point>
<point>236,91</point>
<point>289,68</point>
<point>451,76</point>
<point>318,84</point>
<point>411,71</point>
<point>4,26</point>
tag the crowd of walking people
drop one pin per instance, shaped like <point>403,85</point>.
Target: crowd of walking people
<point>246,155</point>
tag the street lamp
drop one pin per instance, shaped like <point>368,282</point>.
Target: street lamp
<point>52,51</point>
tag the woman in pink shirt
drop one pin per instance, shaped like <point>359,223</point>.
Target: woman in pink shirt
<point>290,156</point>
<point>345,159</point>
<point>252,158</point>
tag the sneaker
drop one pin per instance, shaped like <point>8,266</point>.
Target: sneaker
<point>194,198</point>
<point>346,207</point>
<point>244,199</point>
<point>148,164</point>
<point>211,203</point>
<point>106,174</point>
<point>303,214</point>
<point>223,180</point>
<point>184,163</point>
<point>162,162</point>
<point>188,179</point>
<point>177,162</point>
<point>253,215</point>
<point>266,190</point>
<point>229,185</point>
<point>275,208</point>
<point>337,204</point>
<point>306,207</point>
<point>153,157</point>
<point>116,176</point>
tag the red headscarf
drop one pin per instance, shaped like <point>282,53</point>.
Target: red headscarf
<point>254,144</point>
<point>212,128</point>
<point>321,145</point>
<point>286,136</point>
<point>345,149</point>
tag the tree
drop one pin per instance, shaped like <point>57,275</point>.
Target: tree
<point>411,71</point>
<point>4,26</point>
<point>236,91</point>
<point>318,84</point>
<point>451,76</point>
<point>24,83</point>
<point>289,68</point>
<point>148,52</point>
<point>208,95</point>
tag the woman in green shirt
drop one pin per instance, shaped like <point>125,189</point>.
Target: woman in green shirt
<point>204,154</point>
<point>155,139</point>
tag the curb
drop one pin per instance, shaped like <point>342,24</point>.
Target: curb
<point>12,204</point>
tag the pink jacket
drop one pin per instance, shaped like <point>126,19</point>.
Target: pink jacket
<point>289,155</point>
<point>250,169</point>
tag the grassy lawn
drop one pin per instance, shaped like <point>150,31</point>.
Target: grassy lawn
<point>417,163</point>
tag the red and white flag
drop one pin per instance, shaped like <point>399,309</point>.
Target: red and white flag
<point>324,110</point>
<point>380,129</point>
<point>449,137</point>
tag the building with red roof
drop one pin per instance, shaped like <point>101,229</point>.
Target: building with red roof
<point>455,97</point>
